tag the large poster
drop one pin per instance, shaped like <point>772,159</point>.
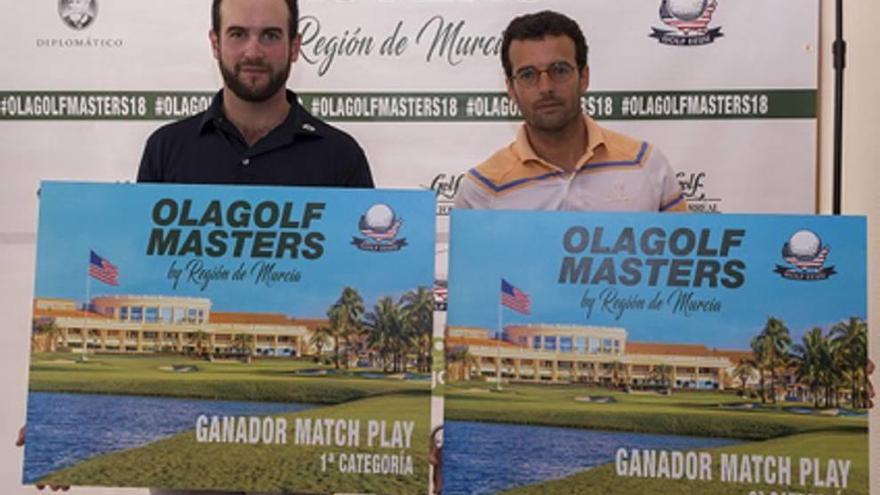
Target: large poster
<point>648,353</point>
<point>260,339</point>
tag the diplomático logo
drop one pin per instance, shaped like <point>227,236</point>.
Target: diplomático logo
<point>689,20</point>
<point>806,257</point>
<point>380,227</point>
<point>78,14</point>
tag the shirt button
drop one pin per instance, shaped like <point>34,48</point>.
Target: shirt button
<point>246,162</point>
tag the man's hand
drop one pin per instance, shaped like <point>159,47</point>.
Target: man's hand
<point>19,442</point>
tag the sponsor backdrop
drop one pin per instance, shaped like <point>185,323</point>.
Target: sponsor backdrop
<point>649,353</point>
<point>729,98</point>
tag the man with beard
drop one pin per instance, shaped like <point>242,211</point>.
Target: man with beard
<point>561,159</point>
<point>255,131</point>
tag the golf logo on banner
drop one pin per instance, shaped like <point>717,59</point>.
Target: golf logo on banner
<point>690,19</point>
<point>805,252</point>
<point>380,225</point>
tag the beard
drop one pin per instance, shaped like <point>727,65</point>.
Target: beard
<point>565,113</point>
<point>252,93</point>
<point>552,110</point>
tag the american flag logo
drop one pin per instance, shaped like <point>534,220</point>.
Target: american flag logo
<point>382,235</point>
<point>103,270</point>
<point>809,263</point>
<point>514,298</point>
<point>698,25</point>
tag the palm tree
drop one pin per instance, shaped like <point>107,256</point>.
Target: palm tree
<point>244,344</point>
<point>760,361</point>
<point>618,373</point>
<point>662,374</point>
<point>418,314</point>
<point>743,372</point>
<point>49,333</point>
<point>345,320</point>
<point>460,363</point>
<point>777,345</point>
<point>318,339</point>
<point>379,342</point>
<point>386,333</point>
<point>813,360</point>
<point>851,339</point>
<point>199,340</point>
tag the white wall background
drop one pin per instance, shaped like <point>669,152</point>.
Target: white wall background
<point>861,180</point>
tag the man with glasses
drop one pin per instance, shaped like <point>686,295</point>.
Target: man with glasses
<point>561,159</point>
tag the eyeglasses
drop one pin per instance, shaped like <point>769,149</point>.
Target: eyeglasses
<point>558,72</point>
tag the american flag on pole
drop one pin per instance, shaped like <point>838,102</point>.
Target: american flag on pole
<point>103,270</point>
<point>514,298</point>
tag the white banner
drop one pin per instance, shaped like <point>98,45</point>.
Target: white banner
<point>420,84</point>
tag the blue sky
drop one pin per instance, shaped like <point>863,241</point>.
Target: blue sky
<point>526,248</point>
<point>115,221</point>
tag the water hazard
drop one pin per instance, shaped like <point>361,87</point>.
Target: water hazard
<point>64,429</point>
<point>484,458</point>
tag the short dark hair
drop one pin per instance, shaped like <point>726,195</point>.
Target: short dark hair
<point>538,26</point>
<point>292,23</point>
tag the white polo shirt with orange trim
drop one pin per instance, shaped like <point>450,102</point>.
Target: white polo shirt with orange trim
<point>616,173</point>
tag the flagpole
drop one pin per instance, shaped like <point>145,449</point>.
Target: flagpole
<point>84,335</point>
<point>498,340</point>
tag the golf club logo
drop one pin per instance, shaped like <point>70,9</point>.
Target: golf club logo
<point>380,227</point>
<point>78,14</point>
<point>689,20</point>
<point>806,257</point>
<point>445,187</point>
<point>693,186</point>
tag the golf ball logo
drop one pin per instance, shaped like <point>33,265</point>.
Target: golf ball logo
<point>689,20</point>
<point>805,252</point>
<point>380,227</point>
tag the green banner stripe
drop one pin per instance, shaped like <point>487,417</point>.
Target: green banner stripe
<point>419,106</point>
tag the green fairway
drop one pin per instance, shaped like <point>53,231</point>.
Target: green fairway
<point>270,380</point>
<point>690,413</point>
<point>604,480</point>
<point>181,462</point>
<point>770,430</point>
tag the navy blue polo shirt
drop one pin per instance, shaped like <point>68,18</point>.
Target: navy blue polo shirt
<point>207,149</point>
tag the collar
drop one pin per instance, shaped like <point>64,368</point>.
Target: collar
<point>524,151</point>
<point>298,122</point>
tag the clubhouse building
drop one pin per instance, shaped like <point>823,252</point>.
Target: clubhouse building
<point>146,324</point>
<point>590,354</point>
